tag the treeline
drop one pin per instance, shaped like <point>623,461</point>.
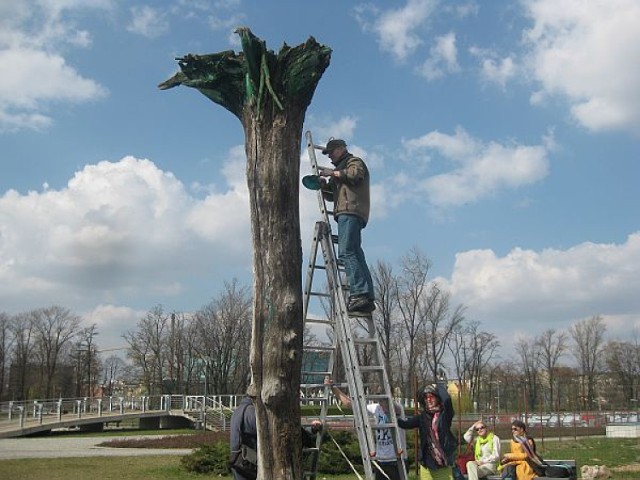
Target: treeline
<point>45,353</point>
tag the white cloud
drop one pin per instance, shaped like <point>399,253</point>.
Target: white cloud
<point>480,169</point>
<point>498,71</point>
<point>443,58</point>
<point>588,52</point>
<point>148,21</point>
<point>526,287</point>
<point>396,28</point>
<point>31,33</point>
<point>118,229</point>
<point>324,129</point>
<point>112,322</point>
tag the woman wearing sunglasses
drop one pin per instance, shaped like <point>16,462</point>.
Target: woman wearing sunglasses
<point>522,462</point>
<point>486,451</point>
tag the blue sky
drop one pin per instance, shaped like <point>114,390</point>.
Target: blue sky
<point>503,140</point>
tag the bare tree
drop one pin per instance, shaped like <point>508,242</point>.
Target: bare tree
<point>440,324</point>
<point>22,329</point>
<point>112,369</point>
<point>224,329</point>
<point>623,362</point>
<point>472,351</point>
<point>55,328</point>
<point>529,353</point>
<point>412,306</point>
<point>148,347</point>
<point>269,94</point>
<point>588,336</point>
<point>385,317</point>
<point>6,342</point>
<point>552,345</point>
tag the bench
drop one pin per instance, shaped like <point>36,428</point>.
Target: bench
<point>570,463</point>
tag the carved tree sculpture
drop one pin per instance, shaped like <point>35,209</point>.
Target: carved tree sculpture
<point>269,93</point>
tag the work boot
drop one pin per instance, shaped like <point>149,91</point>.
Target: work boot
<point>361,303</point>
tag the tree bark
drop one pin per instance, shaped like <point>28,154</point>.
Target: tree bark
<point>269,94</point>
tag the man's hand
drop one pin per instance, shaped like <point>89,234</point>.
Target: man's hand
<point>325,171</point>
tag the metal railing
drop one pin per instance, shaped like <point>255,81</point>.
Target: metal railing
<point>212,411</point>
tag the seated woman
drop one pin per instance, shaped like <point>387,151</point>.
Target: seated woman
<point>486,451</point>
<point>522,462</point>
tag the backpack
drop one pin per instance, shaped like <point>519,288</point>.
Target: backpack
<point>558,471</point>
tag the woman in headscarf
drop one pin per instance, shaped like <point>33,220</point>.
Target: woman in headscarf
<point>486,451</point>
<point>437,443</point>
<point>522,461</point>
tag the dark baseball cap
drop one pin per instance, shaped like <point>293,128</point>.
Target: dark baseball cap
<point>333,144</point>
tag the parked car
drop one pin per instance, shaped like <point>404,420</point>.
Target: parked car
<point>573,420</point>
<point>553,420</point>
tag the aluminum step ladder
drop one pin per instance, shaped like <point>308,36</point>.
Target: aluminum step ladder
<point>354,337</point>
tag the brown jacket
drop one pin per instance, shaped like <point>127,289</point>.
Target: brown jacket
<point>350,192</point>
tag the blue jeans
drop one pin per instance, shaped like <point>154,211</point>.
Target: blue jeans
<point>351,254</point>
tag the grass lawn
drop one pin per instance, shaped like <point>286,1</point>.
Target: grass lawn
<point>621,455</point>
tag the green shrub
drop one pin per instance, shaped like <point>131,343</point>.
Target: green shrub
<point>212,458</point>
<point>331,461</point>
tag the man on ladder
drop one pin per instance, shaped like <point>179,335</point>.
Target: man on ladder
<point>348,187</point>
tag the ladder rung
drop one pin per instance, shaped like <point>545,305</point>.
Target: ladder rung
<point>320,294</point>
<point>313,385</point>
<point>314,400</point>
<point>380,426</point>
<point>377,396</point>
<point>320,321</point>
<point>371,368</point>
<point>316,372</point>
<point>318,348</point>
<point>365,340</point>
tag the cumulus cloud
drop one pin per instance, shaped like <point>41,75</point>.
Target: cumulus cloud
<point>526,287</point>
<point>442,58</point>
<point>479,168</point>
<point>31,34</point>
<point>148,21</point>
<point>494,69</point>
<point>396,29</point>
<point>118,229</point>
<point>588,52</point>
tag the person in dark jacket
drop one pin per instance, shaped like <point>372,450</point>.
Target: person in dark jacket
<point>437,443</point>
<point>244,431</point>
<point>348,188</point>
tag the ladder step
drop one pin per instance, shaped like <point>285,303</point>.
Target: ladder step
<point>320,294</point>
<point>318,348</point>
<point>377,396</point>
<point>371,368</point>
<point>365,340</point>
<point>319,321</point>
<point>316,372</point>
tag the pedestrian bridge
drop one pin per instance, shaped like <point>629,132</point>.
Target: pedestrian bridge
<point>23,418</point>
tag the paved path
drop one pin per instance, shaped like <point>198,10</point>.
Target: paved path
<point>11,448</point>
